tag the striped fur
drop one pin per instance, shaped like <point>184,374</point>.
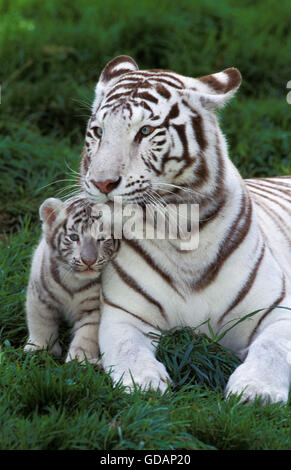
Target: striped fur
<point>65,278</point>
<point>155,137</point>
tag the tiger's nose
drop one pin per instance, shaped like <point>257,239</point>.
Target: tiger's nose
<point>107,185</point>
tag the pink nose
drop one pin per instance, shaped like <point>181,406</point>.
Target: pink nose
<point>88,261</point>
<point>107,185</point>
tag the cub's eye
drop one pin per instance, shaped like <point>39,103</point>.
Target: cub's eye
<point>146,130</point>
<point>97,131</point>
<point>100,239</point>
<point>74,237</point>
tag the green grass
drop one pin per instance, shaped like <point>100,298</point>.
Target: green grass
<point>50,57</point>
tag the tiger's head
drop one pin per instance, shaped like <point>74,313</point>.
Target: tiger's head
<point>72,232</point>
<point>154,134</point>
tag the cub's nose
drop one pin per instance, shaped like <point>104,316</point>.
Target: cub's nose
<point>89,252</point>
<point>88,261</point>
<point>107,185</point>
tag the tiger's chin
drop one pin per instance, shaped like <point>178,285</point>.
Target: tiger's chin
<point>88,273</point>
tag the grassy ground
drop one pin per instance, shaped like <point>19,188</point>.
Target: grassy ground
<point>50,56</point>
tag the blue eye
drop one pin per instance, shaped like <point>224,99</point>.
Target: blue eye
<point>98,131</point>
<point>74,237</point>
<point>146,130</point>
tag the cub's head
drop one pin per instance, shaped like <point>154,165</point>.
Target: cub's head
<point>152,132</point>
<point>72,231</point>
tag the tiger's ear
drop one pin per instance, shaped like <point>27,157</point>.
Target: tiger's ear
<point>116,67</point>
<point>217,89</point>
<point>112,72</point>
<point>49,210</point>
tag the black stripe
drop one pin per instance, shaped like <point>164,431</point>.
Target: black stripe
<point>163,91</point>
<point>93,283</point>
<point>96,323</point>
<point>277,220</point>
<point>181,131</point>
<point>44,283</point>
<point>134,245</point>
<point>56,275</point>
<point>90,299</point>
<point>160,73</point>
<point>234,237</point>
<point>246,287</point>
<point>277,181</point>
<point>106,301</point>
<point>117,96</point>
<point>173,114</point>
<point>39,292</point>
<point>145,95</point>
<point>130,282</point>
<point>274,305</point>
<point>270,188</point>
<point>264,196</point>
<point>198,128</point>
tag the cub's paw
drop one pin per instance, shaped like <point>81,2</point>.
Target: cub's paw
<point>55,350</point>
<point>81,355</point>
<point>249,386</point>
<point>146,374</point>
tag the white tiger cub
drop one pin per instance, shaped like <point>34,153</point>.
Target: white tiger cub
<point>153,137</point>
<point>65,278</point>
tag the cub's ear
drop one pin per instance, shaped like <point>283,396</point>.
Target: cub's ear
<point>49,210</point>
<point>111,73</point>
<point>112,245</point>
<point>215,90</point>
<point>115,245</point>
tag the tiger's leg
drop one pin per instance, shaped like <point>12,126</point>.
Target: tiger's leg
<point>128,352</point>
<point>266,371</point>
<point>42,324</point>
<point>85,338</point>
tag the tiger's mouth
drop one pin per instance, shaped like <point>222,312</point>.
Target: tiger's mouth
<point>88,272</point>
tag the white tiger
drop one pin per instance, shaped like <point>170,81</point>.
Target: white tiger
<point>154,136</point>
<point>65,278</point>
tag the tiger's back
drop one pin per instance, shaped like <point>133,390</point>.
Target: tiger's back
<point>272,199</point>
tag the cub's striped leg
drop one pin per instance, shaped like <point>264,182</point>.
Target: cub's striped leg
<point>85,338</point>
<point>42,322</point>
<point>127,350</point>
<point>266,371</point>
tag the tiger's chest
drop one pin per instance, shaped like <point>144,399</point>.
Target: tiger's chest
<point>162,275</point>
<point>74,299</point>
<point>167,288</point>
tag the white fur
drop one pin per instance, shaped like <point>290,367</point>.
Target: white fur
<point>60,286</point>
<point>128,315</point>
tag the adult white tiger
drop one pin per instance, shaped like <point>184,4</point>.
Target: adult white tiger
<point>154,134</point>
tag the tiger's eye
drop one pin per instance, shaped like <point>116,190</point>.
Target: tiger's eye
<point>146,130</point>
<point>74,237</point>
<point>98,131</point>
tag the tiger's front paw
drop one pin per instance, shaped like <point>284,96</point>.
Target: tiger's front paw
<point>145,374</point>
<point>55,350</point>
<point>249,385</point>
